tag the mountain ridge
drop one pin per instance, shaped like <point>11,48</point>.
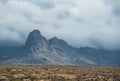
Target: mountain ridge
<point>39,50</point>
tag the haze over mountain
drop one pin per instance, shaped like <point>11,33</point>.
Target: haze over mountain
<point>38,50</point>
<point>81,23</point>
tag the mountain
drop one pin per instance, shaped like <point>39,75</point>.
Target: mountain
<point>40,51</point>
<point>36,39</point>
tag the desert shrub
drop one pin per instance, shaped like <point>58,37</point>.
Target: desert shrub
<point>78,78</point>
<point>33,78</point>
<point>116,76</point>
<point>57,78</point>
<point>15,79</point>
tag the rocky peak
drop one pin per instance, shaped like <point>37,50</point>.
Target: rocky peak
<point>35,38</point>
<point>55,42</point>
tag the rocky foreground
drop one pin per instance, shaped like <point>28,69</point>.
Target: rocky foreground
<point>58,73</point>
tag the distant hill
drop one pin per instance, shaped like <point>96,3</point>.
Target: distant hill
<point>40,51</point>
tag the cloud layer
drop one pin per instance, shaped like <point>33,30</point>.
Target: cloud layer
<point>94,23</point>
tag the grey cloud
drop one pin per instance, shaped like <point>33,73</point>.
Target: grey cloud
<point>63,15</point>
<point>79,22</point>
<point>45,4</point>
<point>116,11</point>
<point>4,1</point>
<point>115,6</point>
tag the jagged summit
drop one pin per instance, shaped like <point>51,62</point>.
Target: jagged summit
<point>36,31</point>
<point>35,37</point>
<point>56,41</point>
<point>55,38</point>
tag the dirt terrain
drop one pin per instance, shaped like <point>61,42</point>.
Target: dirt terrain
<point>58,73</point>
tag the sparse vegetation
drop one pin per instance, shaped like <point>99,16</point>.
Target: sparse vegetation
<point>33,78</point>
<point>14,79</point>
<point>58,73</point>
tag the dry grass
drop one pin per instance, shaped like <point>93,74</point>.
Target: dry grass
<point>58,73</point>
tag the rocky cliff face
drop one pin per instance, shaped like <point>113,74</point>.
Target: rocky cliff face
<point>39,50</point>
<point>36,39</point>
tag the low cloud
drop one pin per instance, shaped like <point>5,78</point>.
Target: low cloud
<point>93,23</point>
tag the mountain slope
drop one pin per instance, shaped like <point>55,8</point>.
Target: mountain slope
<point>39,50</point>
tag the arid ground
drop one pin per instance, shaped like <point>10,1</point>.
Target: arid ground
<point>58,73</point>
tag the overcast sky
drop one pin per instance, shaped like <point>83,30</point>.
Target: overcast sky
<point>94,23</point>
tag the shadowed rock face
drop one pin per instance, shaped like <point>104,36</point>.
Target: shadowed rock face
<point>39,50</point>
<point>57,42</point>
<point>36,39</point>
